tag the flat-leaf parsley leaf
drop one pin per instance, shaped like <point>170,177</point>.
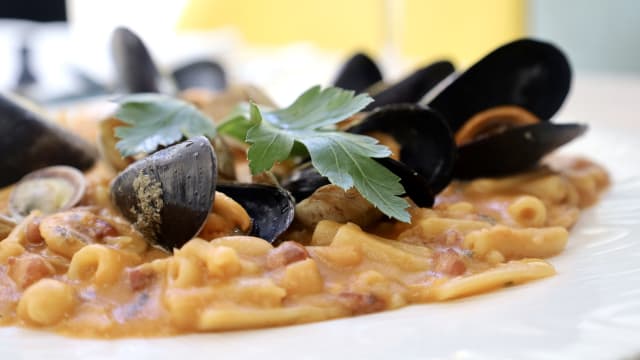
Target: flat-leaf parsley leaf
<point>157,120</point>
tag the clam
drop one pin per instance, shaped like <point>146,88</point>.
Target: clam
<point>135,68</point>
<point>358,73</point>
<point>31,142</point>
<point>424,161</point>
<point>203,74</point>
<point>49,190</point>
<point>500,108</point>
<point>169,195</point>
<point>413,87</point>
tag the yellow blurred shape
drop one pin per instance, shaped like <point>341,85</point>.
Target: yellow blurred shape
<point>421,30</point>
<point>461,30</point>
<point>330,24</point>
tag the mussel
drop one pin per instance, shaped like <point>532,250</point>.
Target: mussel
<point>427,151</point>
<point>500,108</point>
<point>30,142</point>
<point>425,159</point>
<point>358,73</point>
<point>138,73</point>
<point>271,208</point>
<point>135,69</point>
<point>169,194</point>
<point>202,74</point>
<point>413,87</point>
<point>48,190</point>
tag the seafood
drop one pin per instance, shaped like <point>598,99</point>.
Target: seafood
<point>204,74</point>
<point>135,68</point>
<point>504,102</point>
<point>413,87</point>
<point>358,74</point>
<point>169,194</point>
<point>35,143</point>
<point>425,159</point>
<point>271,208</point>
<point>49,190</point>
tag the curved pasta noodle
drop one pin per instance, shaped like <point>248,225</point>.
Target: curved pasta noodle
<point>47,302</point>
<point>99,264</point>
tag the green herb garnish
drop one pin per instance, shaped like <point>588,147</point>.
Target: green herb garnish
<point>157,120</point>
<point>306,126</point>
<point>345,159</point>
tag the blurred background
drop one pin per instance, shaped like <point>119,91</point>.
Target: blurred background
<point>285,46</point>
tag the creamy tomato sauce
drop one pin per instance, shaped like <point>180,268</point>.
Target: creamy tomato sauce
<point>87,272</point>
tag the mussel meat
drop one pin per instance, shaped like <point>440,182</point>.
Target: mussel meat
<point>500,108</point>
<point>49,190</point>
<point>358,73</point>
<point>35,143</point>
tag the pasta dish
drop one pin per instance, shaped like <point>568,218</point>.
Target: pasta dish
<point>108,252</point>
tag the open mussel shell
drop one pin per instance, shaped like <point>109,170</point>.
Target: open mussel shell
<point>202,74</point>
<point>168,195</point>
<point>426,158</point>
<point>513,150</point>
<point>134,67</point>
<point>304,181</point>
<point>532,74</point>
<point>426,144</point>
<point>48,190</point>
<point>271,208</point>
<point>414,87</point>
<point>30,142</point>
<point>358,73</point>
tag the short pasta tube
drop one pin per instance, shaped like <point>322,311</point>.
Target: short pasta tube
<point>528,211</point>
<point>511,273</point>
<point>376,250</point>
<point>517,243</point>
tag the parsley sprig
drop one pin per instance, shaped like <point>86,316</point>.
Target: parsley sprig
<point>347,160</point>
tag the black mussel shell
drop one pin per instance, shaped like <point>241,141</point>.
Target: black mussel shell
<point>427,153</point>
<point>304,181</point>
<point>134,67</point>
<point>529,73</point>
<point>168,195</point>
<point>358,73</point>
<point>513,150</point>
<point>29,142</point>
<point>204,74</point>
<point>271,208</point>
<point>414,87</point>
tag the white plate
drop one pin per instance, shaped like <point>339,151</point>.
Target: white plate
<point>591,309</point>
